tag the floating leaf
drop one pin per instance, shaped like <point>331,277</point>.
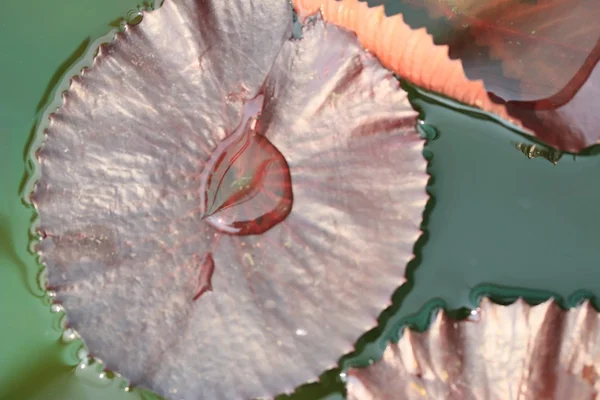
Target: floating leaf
<point>537,59</point>
<point>499,352</point>
<point>163,178</point>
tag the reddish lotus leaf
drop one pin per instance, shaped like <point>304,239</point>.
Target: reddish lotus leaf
<point>501,352</point>
<point>224,210</point>
<point>547,50</point>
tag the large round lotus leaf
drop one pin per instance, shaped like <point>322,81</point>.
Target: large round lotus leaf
<point>130,222</point>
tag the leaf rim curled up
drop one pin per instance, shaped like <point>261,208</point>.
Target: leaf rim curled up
<point>498,352</point>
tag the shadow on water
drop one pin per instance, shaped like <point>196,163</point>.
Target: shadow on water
<point>62,69</point>
<point>507,295</point>
<point>43,372</point>
<point>9,249</point>
<point>474,113</point>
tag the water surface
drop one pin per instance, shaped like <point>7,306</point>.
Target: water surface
<point>499,223</point>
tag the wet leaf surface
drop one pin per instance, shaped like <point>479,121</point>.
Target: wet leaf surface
<point>533,62</point>
<point>498,352</point>
<point>166,297</point>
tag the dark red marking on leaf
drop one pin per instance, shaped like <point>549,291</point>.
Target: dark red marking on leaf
<point>207,268</point>
<point>247,184</point>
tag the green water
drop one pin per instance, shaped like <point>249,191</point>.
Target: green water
<point>500,224</point>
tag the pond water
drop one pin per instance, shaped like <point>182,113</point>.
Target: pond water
<point>499,223</point>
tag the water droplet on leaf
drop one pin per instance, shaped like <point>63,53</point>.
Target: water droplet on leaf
<point>247,189</point>
<point>134,17</point>
<point>427,131</point>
